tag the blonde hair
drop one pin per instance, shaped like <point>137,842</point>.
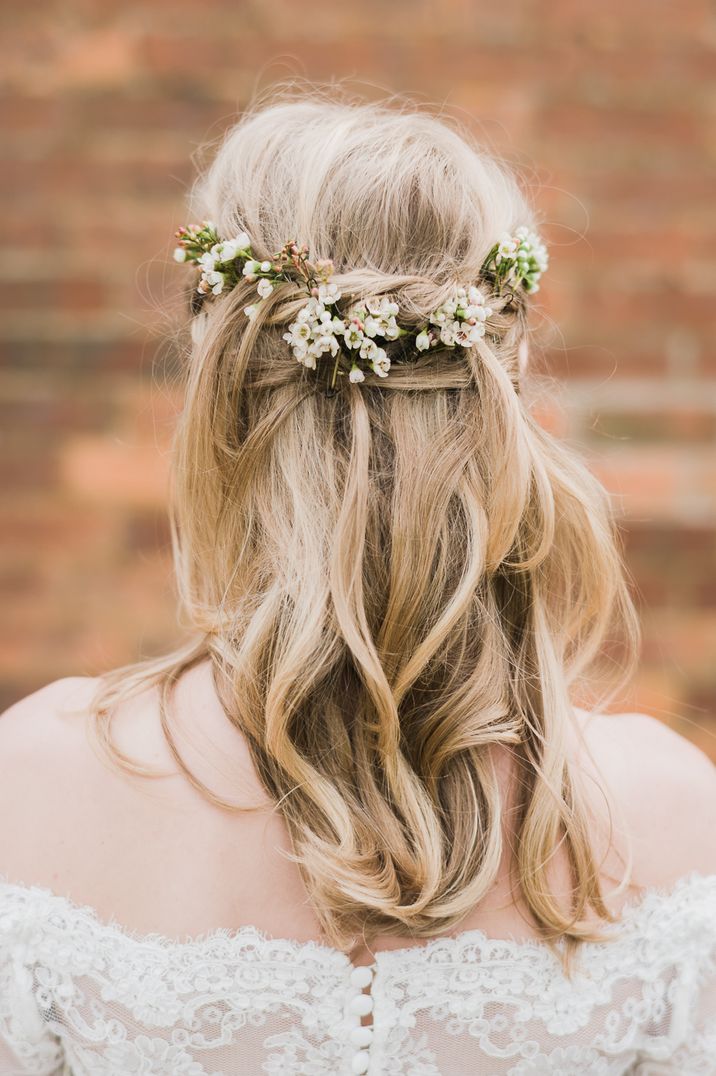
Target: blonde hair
<point>390,580</point>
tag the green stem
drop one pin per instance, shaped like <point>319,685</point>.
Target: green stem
<point>335,369</point>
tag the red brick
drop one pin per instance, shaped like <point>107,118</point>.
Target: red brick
<point>89,294</point>
<point>603,110</point>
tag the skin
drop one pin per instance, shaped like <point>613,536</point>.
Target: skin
<point>156,856</point>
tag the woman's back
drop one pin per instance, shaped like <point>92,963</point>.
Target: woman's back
<point>395,583</point>
<point>107,876</point>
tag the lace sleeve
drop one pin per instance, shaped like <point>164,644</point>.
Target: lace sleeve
<point>693,1005</point>
<point>697,1053</point>
<point>26,1043</point>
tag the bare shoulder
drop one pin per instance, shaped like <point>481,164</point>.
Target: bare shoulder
<point>661,793</point>
<point>43,762</point>
<point>40,724</point>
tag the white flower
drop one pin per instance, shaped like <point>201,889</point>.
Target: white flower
<point>251,268</point>
<point>327,343</point>
<point>265,267</point>
<point>313,333</point>
<point>356,374</point>
<point>353,335</point>
<point>299,332</point>
<point>329,293</point>
<point>250,311</point>
<point>215,281</point>
<point>179,254</point>
<point>524,256</point>
<point>227,251</point>
<point>382,308</point>
<point>507,247</point>
<point>476,331</point>
<point>380,363</point>
<point>312,310</point>
<point>264,288</point>
<point>241,241</point>
<point>378,316</point>
<point>207,261</point>
<point>460,320</point>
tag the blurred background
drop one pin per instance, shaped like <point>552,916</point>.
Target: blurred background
<point>607,112</point>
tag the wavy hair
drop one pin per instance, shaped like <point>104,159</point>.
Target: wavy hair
<point>391,580</point>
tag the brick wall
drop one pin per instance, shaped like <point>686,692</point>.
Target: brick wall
<point>606,110</point>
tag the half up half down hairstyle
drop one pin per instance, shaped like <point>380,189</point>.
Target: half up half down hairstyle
<point>394,579</point>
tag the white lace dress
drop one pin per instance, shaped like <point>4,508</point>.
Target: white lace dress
<point>81,996</point>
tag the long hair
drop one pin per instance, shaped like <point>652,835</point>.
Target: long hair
<point>392,579</point>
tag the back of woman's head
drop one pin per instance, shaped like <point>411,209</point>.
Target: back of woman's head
<point>395,576</point>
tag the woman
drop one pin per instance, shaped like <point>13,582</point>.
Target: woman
<point>357,824</point>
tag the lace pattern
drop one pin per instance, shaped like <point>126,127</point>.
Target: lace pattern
<point>83,996</point>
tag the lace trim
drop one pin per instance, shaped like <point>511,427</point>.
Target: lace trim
<point>634,911</point>
<point>644,994</point>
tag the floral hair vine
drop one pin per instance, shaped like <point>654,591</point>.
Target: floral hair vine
<point>320,329</point>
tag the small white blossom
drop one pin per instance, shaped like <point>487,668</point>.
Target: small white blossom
<point>265,267</point>
<point>353,335</point>
<point>251,268</point>
<point>380,363</point>
<point>207,261</point>
<point>251,311</point>
<point>506,249</point>
<point>264,288</point>
<point>469,334</point>
<point>356,374</point>
<point>329,293</point>
<point>378,316</point>
<point>459,321</point>
<point>299,332</point>
<point>305,357</point>
<point>215,281</point>
<point>326,343</point>
<point>312,311</point>
<point>313,333</point>
<point>476,331</point>
<point>383,307</point>
<point>524,258</point>
<point>179,254</point>
<point>227,251</point>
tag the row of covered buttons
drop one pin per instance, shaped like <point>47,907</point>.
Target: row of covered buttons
<point>360,1005</point>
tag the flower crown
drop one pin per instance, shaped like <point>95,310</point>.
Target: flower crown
<point>320,329</point>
